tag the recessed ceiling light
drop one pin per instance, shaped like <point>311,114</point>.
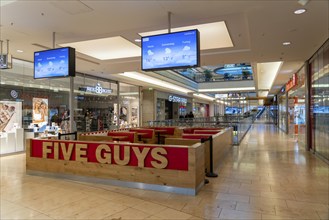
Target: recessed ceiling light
<point>300,11</point>
<point>19,51</point>
<point>286,43</point>
<point>138,40</point>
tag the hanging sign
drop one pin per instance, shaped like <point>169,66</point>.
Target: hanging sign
<point>292,82</point>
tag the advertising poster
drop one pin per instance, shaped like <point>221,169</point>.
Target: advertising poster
<point>40,111</point>
<point>10,115</point>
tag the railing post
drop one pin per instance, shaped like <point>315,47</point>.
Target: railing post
<point>211,171</point>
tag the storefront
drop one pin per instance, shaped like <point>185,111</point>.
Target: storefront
<point>201,109</point>
<point>282,110</point>
<point>172,106</point>
<point>319,112</point>
<point>129,106</point>
<point>95,103</point>
<point>296,106</point>
<point>39,106</point>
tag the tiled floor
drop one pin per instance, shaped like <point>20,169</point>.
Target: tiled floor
<point>267,177</point>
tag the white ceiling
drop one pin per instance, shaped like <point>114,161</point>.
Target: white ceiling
<point>257,29</point>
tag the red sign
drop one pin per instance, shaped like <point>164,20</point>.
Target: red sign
<point>292,82</point>
<point>173,158</point>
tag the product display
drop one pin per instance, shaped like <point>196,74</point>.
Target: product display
<point>10,115</point>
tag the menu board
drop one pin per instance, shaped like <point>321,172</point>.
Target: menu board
<point>10,115</point>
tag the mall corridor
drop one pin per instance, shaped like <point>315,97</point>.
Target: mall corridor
<point>267,177</point>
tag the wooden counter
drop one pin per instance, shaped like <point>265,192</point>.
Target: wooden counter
<point>178,169</point>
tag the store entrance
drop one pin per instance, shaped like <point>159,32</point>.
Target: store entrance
<point>168,110</point>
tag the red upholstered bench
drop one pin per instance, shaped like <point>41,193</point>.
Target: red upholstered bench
<point>206,131</point>
<point>191,130</point>
<point>149,134</point>
<point>129,136</point>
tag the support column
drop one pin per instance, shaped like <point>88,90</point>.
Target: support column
<point>308,119</point>
<point>71,104</point>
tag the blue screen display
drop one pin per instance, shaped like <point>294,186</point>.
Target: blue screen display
<point>51,63</point>
<point>233,110</point>
<point>180,49</point>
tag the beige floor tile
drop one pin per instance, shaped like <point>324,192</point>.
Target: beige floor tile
<point>232,197</point>
<point>202,210</point>
<point>129,213</point>
<point>252,207</point>
<point>224,204</point>
<point>306,205</point>
<point>53,201</point>
<point>99,212</point>
<point>21,213</point>
<point>312,197</point>
<point>268,201</point>
<point>177,205</point>
<point>324,215</point>
<point>233,214</point>
<point>74,208</point>
<point>297,213</point>
<point>278,195</point>
<point>172,214</point>
<point>149,207</point>
<point>276,217</point>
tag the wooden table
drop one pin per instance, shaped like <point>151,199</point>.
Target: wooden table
<point>140,135</point>
<point>118,138</point>
<point>159,132</point>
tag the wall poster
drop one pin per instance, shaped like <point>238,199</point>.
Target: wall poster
<point>10,115</point>
<point>40,111</point>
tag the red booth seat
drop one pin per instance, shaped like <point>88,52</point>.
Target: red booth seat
<point>130,136</point>
<point>191,130</point>
<point>206,131</point>
<point>98,133</point>
<point>149,134</point>
<point>169,130</point>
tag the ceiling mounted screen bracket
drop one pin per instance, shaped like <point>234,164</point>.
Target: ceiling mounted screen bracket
<point>169,22</point>
<point>54,40</point>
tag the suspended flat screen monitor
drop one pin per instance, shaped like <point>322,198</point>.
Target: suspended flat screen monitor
<point>170,51</point>
<point>54,63</point>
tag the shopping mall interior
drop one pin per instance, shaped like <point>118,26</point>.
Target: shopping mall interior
<point>164,109</point>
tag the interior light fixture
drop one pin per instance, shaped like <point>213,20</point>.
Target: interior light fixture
<point>204,97</point>
<point>320,85</point>
<point>299,11</point>
<point>227,89</point>
<point>154,81</point>
<point>138,40</point>
<point>286,43</point>
<point>19,51</point>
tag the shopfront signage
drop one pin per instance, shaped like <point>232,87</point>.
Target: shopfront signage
<point>98,89</point>
<point>221,96</point>
<point>173,158</point>
<point>292,82</point>
<point>173,98</point>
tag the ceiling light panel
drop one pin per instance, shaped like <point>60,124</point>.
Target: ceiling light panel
<point>212,35</point>
<point>266,74</point>
<point>154,81</point>
<point>107,48</point>
<point>228,89</point>
<point>204,97</point>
